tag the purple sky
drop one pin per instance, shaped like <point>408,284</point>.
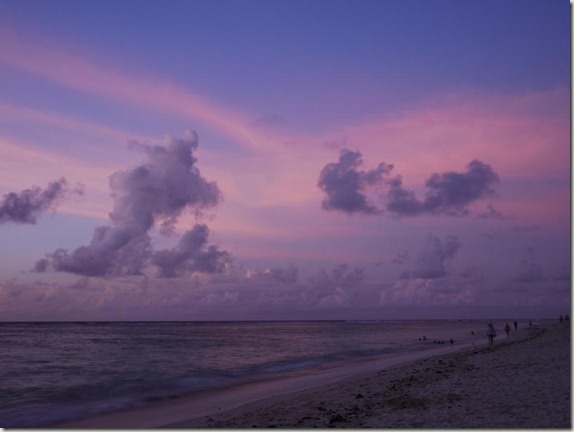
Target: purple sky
<point>284,159</point>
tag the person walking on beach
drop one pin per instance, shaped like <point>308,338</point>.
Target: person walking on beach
<point>515,325</point>
<point>507,329</point>
<point>491,333</point>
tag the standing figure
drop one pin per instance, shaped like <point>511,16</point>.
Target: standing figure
<point>507,329</point>
<point>515,325</point>
<point>491,333</point>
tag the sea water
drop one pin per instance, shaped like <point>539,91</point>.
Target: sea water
<point>51,372</point>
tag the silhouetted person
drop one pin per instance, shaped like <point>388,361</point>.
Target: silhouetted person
<point>561,318</point>
<point>515,325</point>
<point>491,333</point>
<point>507,329</point>
<point>530,324</point>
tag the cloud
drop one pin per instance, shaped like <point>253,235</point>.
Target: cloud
<point>191,255</point>
<point>80,73</point>
<point>430,261</point>
<point>400,257</point>
<point>26,206</point>
<point>427,292</point>
<point>342,274</point>
<point>492,213</point>
<point>279,274</point>
<point>472,272</point>
<point>449,193</point>
<point>157,191</point>
<point>344,183</point>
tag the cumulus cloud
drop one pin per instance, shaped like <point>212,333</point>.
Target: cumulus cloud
<point>341,274</point>
<point>450,193</point>
<point>191,255</point>
<point>279,274</point>
<point>345,184</point>
<point>155,192</point>
<point>431,259</point>
<point>426,292</point>
<point>26,206</point>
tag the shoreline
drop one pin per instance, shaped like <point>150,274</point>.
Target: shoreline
<point>254,404</point>
<point>196,408</point>
<point>521,382</point>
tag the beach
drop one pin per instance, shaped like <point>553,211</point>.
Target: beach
<point>521,382</point>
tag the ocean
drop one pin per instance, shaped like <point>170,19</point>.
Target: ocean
<point>52,372</point>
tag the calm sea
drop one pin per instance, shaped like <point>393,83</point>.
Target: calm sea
<point>50,372</point>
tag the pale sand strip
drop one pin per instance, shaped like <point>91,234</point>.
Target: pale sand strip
<point>523,382</point>
<point>194,410</point>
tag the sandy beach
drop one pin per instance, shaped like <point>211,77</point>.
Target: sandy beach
<point>522,382</point>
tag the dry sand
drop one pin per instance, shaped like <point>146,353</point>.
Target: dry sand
<point>522,382</point>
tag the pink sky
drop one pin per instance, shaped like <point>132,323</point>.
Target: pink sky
<point>69,107</point>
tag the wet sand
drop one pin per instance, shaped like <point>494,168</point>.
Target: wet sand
<point>524,381</point>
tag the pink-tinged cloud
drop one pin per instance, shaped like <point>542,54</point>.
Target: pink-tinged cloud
<point>506,132</point>
<point>67,123</point>
<point>79,73</point>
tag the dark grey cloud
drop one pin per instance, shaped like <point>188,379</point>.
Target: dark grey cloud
<point>431,259</point>
<point>155,192</point>
<point>450,193</point>
<point>345,184</point>
<point>26,206</point>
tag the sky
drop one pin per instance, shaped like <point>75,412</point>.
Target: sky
<point>284,159</point>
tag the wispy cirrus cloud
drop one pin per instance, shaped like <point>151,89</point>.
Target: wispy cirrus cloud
<point>81,74</point>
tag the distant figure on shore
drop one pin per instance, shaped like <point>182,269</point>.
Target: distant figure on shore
<point>561,318</point>
<point>491,333</point>
<point>472,332</point>
<point>515,325</point>
<point>507,329</point>
<point>530,324</point>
